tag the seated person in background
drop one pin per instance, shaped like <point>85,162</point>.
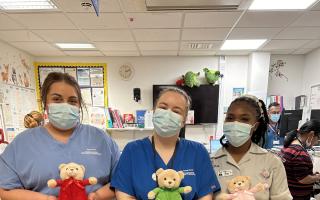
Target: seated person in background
<point>244,127</point>
<point>140,159</point>
<point>297,161</point>
<point>33,119</point>
<point>273,132</point>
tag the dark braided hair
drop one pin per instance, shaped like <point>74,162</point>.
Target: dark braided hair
<point>261,116</point>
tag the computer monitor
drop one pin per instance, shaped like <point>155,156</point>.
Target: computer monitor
<point>315,114</point>
<point>289,121</point>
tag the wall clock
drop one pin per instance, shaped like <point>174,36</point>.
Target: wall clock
<point>126,72</point>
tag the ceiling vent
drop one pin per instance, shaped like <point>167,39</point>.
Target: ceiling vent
<point>200,46</point>
<point>162,5</point>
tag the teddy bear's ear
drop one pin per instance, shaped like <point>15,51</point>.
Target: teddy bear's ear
<point>159,171</point>
<point>248,178</point>
<point>181,174</point>
<point>62,165</point>
<point>83,168</point>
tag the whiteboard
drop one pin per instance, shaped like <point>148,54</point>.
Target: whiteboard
<point>315,97</point>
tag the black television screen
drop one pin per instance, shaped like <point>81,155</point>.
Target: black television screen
<point>205,99</point>
<point>289,121</point>
<point>315,114</point>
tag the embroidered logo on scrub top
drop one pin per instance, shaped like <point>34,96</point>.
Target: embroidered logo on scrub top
<point>189,172</point>
<point>265,174</point>
<point>91,152</point>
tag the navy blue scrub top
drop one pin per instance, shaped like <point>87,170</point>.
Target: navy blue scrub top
<point>138,162</point>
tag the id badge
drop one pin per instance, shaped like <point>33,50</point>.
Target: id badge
<point>225,172</point>
<point>276,142</point>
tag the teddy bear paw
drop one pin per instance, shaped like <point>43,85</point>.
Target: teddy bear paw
<point>151,195</point>
<point>52,183</point>
<point>93,180</point>
<point>187,189</point>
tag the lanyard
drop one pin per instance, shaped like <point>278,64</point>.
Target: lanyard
<point>274,129</point>
<point>171,162</point>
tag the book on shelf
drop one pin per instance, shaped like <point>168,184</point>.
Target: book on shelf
<point>275,98</point>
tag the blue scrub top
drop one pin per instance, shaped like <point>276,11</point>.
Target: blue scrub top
<point>272,136</point>
<point>137,163</point>
<point>34,156</point>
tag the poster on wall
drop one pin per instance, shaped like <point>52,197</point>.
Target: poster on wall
<point>44,71</point>
<point>72,71</point>
<point>86,96</point>
<point>98,97</point>
<point>237,92</point>
<point>315,97</point>
<point>96,77</point>
<point>83,75</point>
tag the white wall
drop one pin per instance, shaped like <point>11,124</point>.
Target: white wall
<point>162,70</point>
<point>293,69</point>
<point>311,73</point>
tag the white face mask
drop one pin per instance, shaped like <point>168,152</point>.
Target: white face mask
<point>237,133</point>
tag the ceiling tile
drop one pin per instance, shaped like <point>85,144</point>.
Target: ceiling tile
<point>312,44</point>
<point>302,51</point>
<point>211,19</point>
<point>75,6</point>
<point>34,46</point>
<point>158,46</point>
<point>19,35</point>
<point>299,33</point>
<point>159,53</point>
<point>281,52</point>
<point>310,18</point>
<point>284,44</point>
<point>134,5</point>
<point>61,35</point>
<point>233,53</point>
<point>8,23</point>
<point>116,46</point>
<point>83,53</point>
<point>214,45</point>
<point>46,53</point>
<point>121,53</point>
<point>109,35</point>
<point>104,21</point>
<point>253,33</point>
<point>268,19</point>
<point>205,34</point>
<point>156,34</point>
<point>43,20</point>
<point>155,20</point>
<point>197,53</point>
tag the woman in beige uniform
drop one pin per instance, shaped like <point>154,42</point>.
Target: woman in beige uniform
<point>244,127</point>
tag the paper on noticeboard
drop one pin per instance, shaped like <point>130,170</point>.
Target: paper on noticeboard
<point>98,97</point>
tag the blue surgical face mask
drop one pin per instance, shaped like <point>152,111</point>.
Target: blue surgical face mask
<point>274,117</point>
<point>63,115</point>
<point>166,123</point>
<point>237,133</point>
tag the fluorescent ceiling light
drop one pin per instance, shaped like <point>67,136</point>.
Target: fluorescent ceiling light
<point>242,44</point>
<point>280,4</point>
<point>26,4</point>
<point>75,46</point>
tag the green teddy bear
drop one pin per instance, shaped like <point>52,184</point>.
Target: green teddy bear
<point>191,79</point>
<point>212,76</point>
<point>169,181</point>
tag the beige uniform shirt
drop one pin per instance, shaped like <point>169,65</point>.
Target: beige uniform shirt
<point>261,165</point>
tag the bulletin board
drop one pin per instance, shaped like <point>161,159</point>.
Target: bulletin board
<point>315,97</point>
<point>92,79</point>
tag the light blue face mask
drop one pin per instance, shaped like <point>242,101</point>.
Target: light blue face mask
<point>166,123</point>
<point>274,117</point>
<point>63,115</point>
<point>237,133</point>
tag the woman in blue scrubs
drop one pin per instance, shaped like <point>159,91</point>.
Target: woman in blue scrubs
<point>35,155</point>
<point>133,178</point>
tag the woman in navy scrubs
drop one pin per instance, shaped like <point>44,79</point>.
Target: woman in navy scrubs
<point>133,178</point>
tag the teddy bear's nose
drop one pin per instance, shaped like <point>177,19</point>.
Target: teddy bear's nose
<point>71,169</point>
<point>239,184</point>
<point>169,182</point>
